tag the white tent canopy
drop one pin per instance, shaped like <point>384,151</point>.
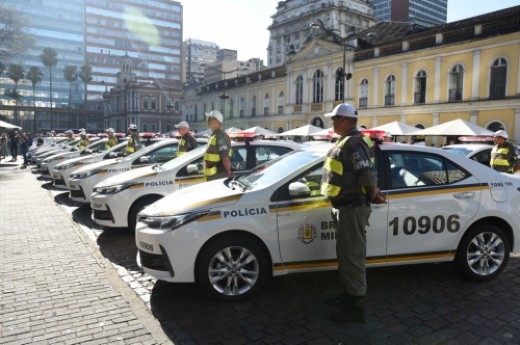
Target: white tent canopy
<point>260,131</point>
<point>396,128</point>
<point>455,127</point>
<point>303,131</point>
<point>4,124</point>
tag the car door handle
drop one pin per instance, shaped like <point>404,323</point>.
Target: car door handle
<point>464,195</point>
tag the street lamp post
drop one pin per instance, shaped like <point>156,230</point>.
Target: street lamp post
<point>338,39</point>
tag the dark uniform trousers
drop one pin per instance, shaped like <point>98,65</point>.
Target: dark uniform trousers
<point>351,246</point>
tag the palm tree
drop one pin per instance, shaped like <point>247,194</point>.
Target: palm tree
<point>16,73</point>
<point>35,75</point>
<point>49,59</point>
<point>70,74</point>
<point>85,74</point>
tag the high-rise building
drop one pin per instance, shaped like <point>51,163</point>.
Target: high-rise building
<point>423,12</point>
<point>291,23</point>
<point>198,54</point>
<point>97,33</point>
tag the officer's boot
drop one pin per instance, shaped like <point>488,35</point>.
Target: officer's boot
<point>353,312</point>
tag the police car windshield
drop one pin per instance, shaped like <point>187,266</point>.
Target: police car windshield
<point>278,169</point>
<point>188,156</point>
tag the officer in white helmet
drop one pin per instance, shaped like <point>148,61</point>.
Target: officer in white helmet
<point>504,155</point>
<point>111,140</point>
<point>217,163</point>
<point>133,143</point>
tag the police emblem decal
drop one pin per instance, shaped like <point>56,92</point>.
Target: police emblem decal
<point>307,233</point>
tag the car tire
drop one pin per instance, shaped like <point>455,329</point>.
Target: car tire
<point>483,252</point>
<point>232,268</point>
<point>137,207</point>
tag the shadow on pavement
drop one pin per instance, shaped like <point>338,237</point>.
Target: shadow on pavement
<point>414,304</point>
<point>118,246</point>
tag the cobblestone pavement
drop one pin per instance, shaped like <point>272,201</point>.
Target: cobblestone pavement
<point>416,304</point>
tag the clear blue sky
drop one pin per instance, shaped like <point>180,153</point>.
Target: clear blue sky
<point>242,24</point>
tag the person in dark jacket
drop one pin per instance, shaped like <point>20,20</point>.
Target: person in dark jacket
<point>187,141</point>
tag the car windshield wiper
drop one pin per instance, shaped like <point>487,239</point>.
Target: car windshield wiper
<point>237,184</point>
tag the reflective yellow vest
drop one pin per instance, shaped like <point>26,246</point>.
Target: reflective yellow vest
<point>110,142</point>
<point>130,145</point>
<point>83,143</point>
<point>501,158</point>
<point>338,183</point>
<point>212,156</point>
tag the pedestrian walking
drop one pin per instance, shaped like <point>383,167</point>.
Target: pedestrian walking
<point>14,142</point>
<point>24,147</point>
<point>187,141</point>
<point>505,157</point>
<point>349,181</point>
<point>217,162</point>
<point>3,146</point>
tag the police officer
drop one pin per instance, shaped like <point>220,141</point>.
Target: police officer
<point>133,143</point>
<point>349,181</point>
<point>111,140</point>
<point>83,142</point>
<point>187,141</point>
<point>217,163</point>
<point>504,155</point>
<point>388,137</point>
<point>70,135</point>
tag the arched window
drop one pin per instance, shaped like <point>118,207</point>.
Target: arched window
<point>299,90</point>
<point>456,83</point>
<point>497,85</point>
<point>266,104</point>
<point>242,107</point>
<point>339,85</point>
<point>390,90</point>
<point>420,88</point>
<point>253,106</point>
<point>317,87</point>
<point>495,126</point>
<point>363,93</point>
<point>280,102</point>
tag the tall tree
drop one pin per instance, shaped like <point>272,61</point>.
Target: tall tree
<point>85,74</point>
<point>49,59</point>
<point>70,73</point>
<point>13,39</point>
<point>16,73</point>
<point>35,75</point>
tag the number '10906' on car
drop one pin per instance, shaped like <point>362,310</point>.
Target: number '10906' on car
<point>230,236</point>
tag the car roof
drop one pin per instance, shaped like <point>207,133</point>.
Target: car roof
<point>468,146</point>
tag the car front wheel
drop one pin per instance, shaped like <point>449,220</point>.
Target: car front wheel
<point>483,252</point>
<point>232,268</point>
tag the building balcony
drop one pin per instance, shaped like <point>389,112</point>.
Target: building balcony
<point>298,108</point>
<point>455,95</point>
<point>389,100</point>
<point>316,106</point>
<point>363,102</point>
<point>419,98</point>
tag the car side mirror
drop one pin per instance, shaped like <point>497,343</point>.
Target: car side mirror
<point>145,159</point>
<point>192,169</point>
<point>113,155</point>
<point>299,189</point>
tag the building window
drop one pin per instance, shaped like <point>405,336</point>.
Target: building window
<point>145,103</point>
<point>390,90</point>
<point>253,106</point>
<point>280,102</point>
<point>363,93</point>
<point>177,106</point>
<point>339,87</point>
<point>497,85</point>
<point>299,90</point>
<point>231,107</point>
<point>153,128</point>
<point>145,127</point>
<point>456,83</point>
<point>266,104</point>
<point>153,104</point>
<point>196,112</point>
<point>420,88</point>
<point>242,106</point>
<point>317,87</point>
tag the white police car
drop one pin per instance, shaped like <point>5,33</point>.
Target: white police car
<point>231,235</point>
<point>83,179</point>
<point>61,172</point>
<point>116,201</point>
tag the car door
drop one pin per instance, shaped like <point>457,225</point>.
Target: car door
<point>430,201</point>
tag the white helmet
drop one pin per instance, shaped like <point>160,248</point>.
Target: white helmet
<point>132,127</point>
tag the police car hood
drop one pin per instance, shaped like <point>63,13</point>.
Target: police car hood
<point>209,195</point>
<point>74,160</point>
<point>98,165</point>
<point>127,176</point>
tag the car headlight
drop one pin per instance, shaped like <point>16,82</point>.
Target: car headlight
<point>171,222</point>
<point>113,189</point>
<point>83,175</point>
